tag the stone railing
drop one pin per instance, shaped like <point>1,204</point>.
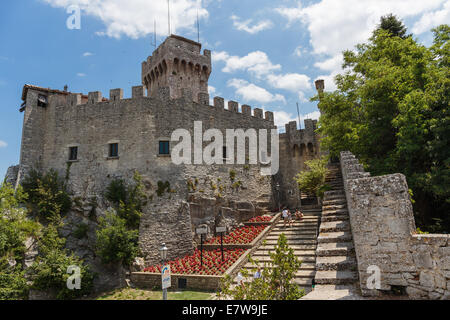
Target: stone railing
<point>385,239</point>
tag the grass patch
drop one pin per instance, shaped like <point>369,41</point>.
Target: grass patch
<point>142,294</point>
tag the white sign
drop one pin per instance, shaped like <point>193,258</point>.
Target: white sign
<point>202,230</point>
<point>221,229</point>
<point>165,276</point>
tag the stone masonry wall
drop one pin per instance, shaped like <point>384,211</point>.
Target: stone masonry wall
<point>384,233</point>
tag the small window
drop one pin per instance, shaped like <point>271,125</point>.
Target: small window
<point>73,153</point>
<point>164,147</point>
<point>42,101</point>
<point>224,152</point>
<point>113,150</point>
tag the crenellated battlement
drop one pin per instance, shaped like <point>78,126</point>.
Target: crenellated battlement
<point>138,92</point>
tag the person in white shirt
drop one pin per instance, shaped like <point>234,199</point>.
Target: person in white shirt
<point>285,215</point>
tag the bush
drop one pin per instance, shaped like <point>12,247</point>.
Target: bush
<point>81,231</point>
<point>13,284</point>
<point>312,181</point>
<point>275,282</point>
<point>115,242</point>
<point>47,194</point>
<point>128,199</point>
<point>49,272</point>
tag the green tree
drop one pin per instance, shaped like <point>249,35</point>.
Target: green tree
<point>312,181</point>
<point>129,199</point>
<point>49,272</point>
<point>115,242</point>
<point>391,110</point>
<point>275,282</point>
<point>393,25</point>
<point>47,194</point>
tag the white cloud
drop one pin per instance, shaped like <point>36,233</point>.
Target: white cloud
<point>256,62</point>
<point>245,25</point>
<point>135,18</point>
<point>251,92</point>
<point>338,25</point>
<point>80,74</point>
<point>292,81</point>
<point>281,118</point>
<point>433,19</point>
<point>3,144</point>
<point>87,54</point>
<point>298,51</point>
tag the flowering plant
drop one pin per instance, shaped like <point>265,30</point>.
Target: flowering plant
<point>243,235</point>
<point>212,263</point>
<point>260,219</point>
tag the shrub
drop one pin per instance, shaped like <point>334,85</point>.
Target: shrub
<point>47,194</point>
<point>275,283</point>
<point>115,243</point>
<point>313,180</point>
<point>81,231</point>
<point>49,270</point>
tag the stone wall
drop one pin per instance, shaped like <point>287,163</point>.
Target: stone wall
<point>296,147</point>
<point>384,233</point>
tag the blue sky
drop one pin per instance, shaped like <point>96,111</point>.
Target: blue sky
<point>265,53</point>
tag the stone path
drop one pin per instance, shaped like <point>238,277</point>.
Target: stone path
<point>302,237</point>
<point>336,274</point>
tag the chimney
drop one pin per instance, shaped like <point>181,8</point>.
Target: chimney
<point>320,85</point>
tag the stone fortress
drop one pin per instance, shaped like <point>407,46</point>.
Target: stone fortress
<point>92,140</point>
<point>365,222</point>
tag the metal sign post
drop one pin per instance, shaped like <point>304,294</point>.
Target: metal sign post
<point>201,230</point>
<point>221,230</point>
<point>165,278</point>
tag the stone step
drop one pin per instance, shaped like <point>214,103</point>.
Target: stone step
<point>310,266</point>
<point>334,212</point>
<point>334,207</point>
<point>336,263</point>
<point>327,237</point>
<point>299,274</point>
<point>293,247</point>
<point>306,253</point>
<point>334,197</point>
<point>333,292</point>
<point>293,237</point>
<point>335,249</point>
<point>289,232</point>
<point>298,281</point>
<point>335,218</point>
<point>335,277</point>
<point>292,242</point>
<point>310,259</point>
<point>334,226</point>
<point>334,201</point>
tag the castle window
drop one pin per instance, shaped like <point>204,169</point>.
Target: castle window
<point>42,101</point>
<point>164,147</point>
<point>73,153</point>
<point>113,150</point>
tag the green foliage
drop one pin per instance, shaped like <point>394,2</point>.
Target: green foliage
<point>164,187</point>
<point>232,175</point>
<point>129,199</point>
<point>115,242</point>
<point>312,181</point>
<point>391,111</point>
<point>81,231</point>
<point>275,282</point>
<point>13,284</point>
<point>393,25</point>
<point>49,271</point>
<point>47,194</point>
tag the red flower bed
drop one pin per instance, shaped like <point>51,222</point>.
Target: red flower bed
<point>260,219</point>
<point>212,263</point>
<point>241,235</point>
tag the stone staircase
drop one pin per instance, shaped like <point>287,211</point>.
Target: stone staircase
<point>302,238</point>
<point>336,274</point>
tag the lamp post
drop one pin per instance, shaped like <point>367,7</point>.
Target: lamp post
<point>163,251</point>
<point>278,190</point>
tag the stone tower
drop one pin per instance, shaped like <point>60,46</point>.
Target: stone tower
<point>177,64</point>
